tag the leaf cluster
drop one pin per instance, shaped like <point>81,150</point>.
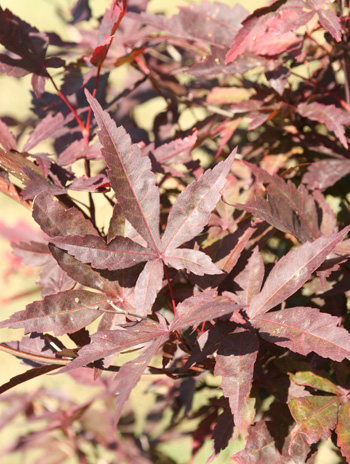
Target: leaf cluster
<point>192,252</point>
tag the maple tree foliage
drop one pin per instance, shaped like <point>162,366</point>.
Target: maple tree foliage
<point>206,255</point>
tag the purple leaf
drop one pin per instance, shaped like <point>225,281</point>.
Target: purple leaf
<point>325,173</point>
<point>86,275</point>
<point>131,177</point>
<point>61,313</point>
<point>176,151</point>
<point>214,24</point>
<point>29,45</point>
<point>130,373</point>
<point>53,279</point>
<point>223,431</point>
<point>287,208</point>
<point>32,253</point>
<point>7,139</point>
<point>192,260</point>
<point>89,184</point>
<point>37,184</point>
<point>81,11</point>
<point>148,285</point>
<point>327,17</point>
<point>262,447</point>
<point>116,224</point>
<point>279,18</point>
<point>235,363</point>
<point>77,150</point>
<point>108,342</point>
<point>334,118</point>
<point>251,278</point>
<point>209,342</point>
<point>55,220</point>
<point>304,330</point>
<point>120,253</point>
<point>28,375</point>
<point>15,163</point>
<point>292,271</point>
<point>201,308</point>
<point>191,211</point>
<point>51,126</point>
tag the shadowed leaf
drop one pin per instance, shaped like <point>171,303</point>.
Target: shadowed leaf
<point>304,330</point>
<point>235,361</point>
<point>292,271</point>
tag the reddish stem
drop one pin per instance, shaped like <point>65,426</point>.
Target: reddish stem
<point>317,84</point>
<point>79,121</point>
<point>115,27</point>
<point>170,289</point>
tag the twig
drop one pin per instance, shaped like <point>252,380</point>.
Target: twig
<point>116,309</point>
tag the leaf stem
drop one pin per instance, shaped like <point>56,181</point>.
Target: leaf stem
<point>343,103</point>
<point>79,121</point>
<point>170,289</point>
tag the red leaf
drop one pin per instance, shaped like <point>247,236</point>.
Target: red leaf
<point>32,253</point>
<point>28,375</point>
<point>16,163</point>
<point>109,342</point>
<point>279,18</point>
<point>37,184</point>
<point>262,447</point>
<point>304,330</point>
<point>176,151</point>
<point>50,126</point>
<point>251,278</point>
<point>287,208</point>
<point>61,313</point>
<point>7,139</point>
<point>232,246</point>
<point>55,220</point>
<point>223,432</point>
<point>292,271</point>
<point>252,29</point>
<point>108,26</point>
<point>120,253</point>
<point>327,17</point>
<point>334,118</point>
<point>29,44</point>
<point>148,285</point>
<point>191,211</point>
<point>130,373</point>
<point>192,260</point>
<point>325,173</point>
<point>213,24</point>
<point>201,308</point>
<point>235,363</point>
<point>209,342</point>
<point>130,175</point>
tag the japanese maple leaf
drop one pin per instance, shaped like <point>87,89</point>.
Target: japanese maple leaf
<point>137,194</point>
<point>30,46</point>
<point>109,24</point>
<point>282,16</point>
